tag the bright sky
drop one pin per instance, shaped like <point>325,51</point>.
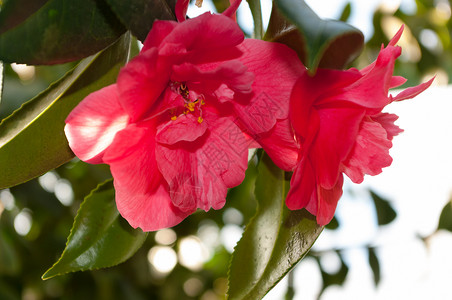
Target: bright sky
<point>419,184</point>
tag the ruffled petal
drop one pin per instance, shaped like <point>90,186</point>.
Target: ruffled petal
<point>276,68</point>
<point>370,153</point>
<point>205,33</point>
<point>327,202</point>
<point>141,82</point>
<point>199,173</point>
<point>160,30</point>
<point>141,193</point>
<point>92,125</point>
<point>279,143</point>
<point>303,191</point>
<point>376,82</point>
<point>184,128</point>
<point>387,122</point>
<point>413,91</point>
<point>210,77</point>
<point>336,136</point>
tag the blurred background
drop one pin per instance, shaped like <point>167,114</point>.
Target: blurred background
<point>391,237</point>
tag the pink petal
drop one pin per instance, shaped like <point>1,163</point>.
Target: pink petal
<point>302,187</point>
<point>92,125</point>
<point>232,9</point>
<point>370,153</point>
<point>397,36</point>
<point>231,73</point>
<point>335,139</point>
<point>141,195</point>
<point>387,122</point>
<point>199,173</point>
<point>276,68</point>
<point>376,82</point>
<point>184,128</point>
<point>279,143</point>
<point>160,30</point>
<point>206,33</point>
<point>141,82</point>
<point>327,201</point>
<point>181,9</point>
<point>150,211</point>
<point>412,91</point>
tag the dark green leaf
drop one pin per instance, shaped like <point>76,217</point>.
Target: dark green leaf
<point>385,213</point>
<point>1,81</point>
<point>319,43</point>
<point>346,12</point>
<point>256,11</point>
<point>14,12</point>
<point>139,15</point>
<point>374,264</point>
<point>274,240</point>
<point>100,237</point>
<point>445,219</point>
<point>58,31</point>
<point>334,224</point>
<point>32,139</point>
<point>9,258</point>
<point>335,278</point>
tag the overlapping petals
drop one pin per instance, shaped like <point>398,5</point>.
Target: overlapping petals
<point>337,119</point>
<point>176,127</point>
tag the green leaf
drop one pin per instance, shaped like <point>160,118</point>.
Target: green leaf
<point>256,11</point>
<point>319,43</point>
<point>32,139</point>
<point>139,15</point>
<point>346,12</point>
<point>374,264</point>
<point>14,12</point>
<point>57,31</point>
<point>445,219</point>
<point>337,278</point>
<point>274,240</point>
<point>385,213</point>
<point>100,237</point>
<point>1,81</point>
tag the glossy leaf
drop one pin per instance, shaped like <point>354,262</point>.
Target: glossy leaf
<point>385,213</point>
<point>319,43</point>
<point>445,219</point>
<point>139,15</point>
<point>32,139</point>
<point>274,240</point>
<point>374,264</point>
<point>14,12</point>
<point>100,237</point>
<point>58,31</point>
<point>1,81</point>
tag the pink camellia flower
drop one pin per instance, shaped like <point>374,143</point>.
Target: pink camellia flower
<point>176,127</point>
<point>338,121</point>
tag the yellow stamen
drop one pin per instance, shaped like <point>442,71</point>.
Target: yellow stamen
<point>202,102</point>
<point>173,118</point>
<point>200,120</point>
<point>190,106</point>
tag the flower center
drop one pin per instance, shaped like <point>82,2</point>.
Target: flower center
<point>193,102</point>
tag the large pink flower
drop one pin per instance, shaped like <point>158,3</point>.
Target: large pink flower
<point>176,127</point>
<point>338,121</point>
